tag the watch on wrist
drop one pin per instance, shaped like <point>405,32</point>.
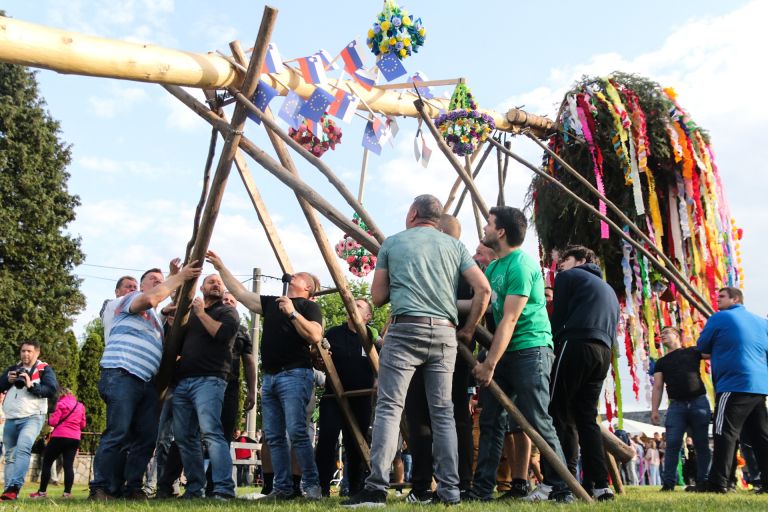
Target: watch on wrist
<point>292,316</point>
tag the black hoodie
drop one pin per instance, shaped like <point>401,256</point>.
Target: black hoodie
<point>585,307</point>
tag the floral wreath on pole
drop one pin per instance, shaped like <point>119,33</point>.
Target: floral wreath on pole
<point>464,127</point>
<point>330,136</point>
<point>360,261</point>
<point>395,31</point>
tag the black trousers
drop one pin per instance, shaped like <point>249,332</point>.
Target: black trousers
<point>332,422</point>
<point>733,412</point>
<point>67,448</point>
<point>420,428</point>
<point>577,378</point>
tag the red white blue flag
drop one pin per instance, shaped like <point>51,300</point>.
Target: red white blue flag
<point>352,58</point>
<point>425,92</point>
<point>316,104</point>
<point>329,63</point>
<point>344,106</point>
<point>272,61</point>
<point>312,69</point>
<point>365,78</point>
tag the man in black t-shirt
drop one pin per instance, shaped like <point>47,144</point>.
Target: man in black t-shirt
<point>291,324</point>
<point>355,372</point>
<point>200,377</point>
<point>688,410</point>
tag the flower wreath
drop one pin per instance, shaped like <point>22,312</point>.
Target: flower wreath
<point>464,127</point>
<point>330,136</point>
<point>395,31</point>
<point>360,261</point>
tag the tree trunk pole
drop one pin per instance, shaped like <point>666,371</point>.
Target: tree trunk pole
<point>614,227</point>
<point>632,226</point>
<point>212,205</point>
<point>474,175</point>
<point>457,183</point>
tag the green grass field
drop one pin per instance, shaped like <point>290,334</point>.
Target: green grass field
<point>636,499</point>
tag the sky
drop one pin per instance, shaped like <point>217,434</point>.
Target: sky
<point>138,154</point>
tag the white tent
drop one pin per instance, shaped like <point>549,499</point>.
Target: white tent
<point>637,427</point>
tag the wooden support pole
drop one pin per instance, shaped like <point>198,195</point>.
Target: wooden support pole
<point>457,183</point>
<point>548,453</point>
<point>500,176</point>
<point>474,175</point>
<point>465,176</point>
<point>318,163</point>
<point>212,205</point>
<point>280,172</point>
<point>613,470</point>
<point>624,219</point>
<point>663,269</point>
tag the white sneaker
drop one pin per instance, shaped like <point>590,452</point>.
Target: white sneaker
<point>604,494</point>
<point>540,493</point>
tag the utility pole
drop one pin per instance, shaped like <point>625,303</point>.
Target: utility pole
<point>250,422</point>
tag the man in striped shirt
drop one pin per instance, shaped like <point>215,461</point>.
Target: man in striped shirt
<point>131,360</point>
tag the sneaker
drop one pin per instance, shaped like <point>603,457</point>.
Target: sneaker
<point>276,495</point>
<point>715,489</point>
<point>540,493</point>
<point>38,495</point>
<point>565,497</point>
<point>218,496</point>
<point>366,498</point>
<point>471,495</point>
<point>699,487</point>
<point>519,489</point>
<point>667,488</point>
<point>313,493</point>
<point>66,495</point>
<point>10,494</point>
<point>98,494</point>
<point>419,497</point>
<point>136,495</point>
<point>605,494</point>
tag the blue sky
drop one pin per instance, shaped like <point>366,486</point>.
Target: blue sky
<point>138,154</point>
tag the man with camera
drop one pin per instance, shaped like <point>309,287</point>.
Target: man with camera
<point>29,383</point>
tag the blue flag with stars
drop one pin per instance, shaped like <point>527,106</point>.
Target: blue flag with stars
<point>289,112</point>
<point>371,139</point>
<point>261,98</point>
<point>391,67</point>
<point>315,106</point>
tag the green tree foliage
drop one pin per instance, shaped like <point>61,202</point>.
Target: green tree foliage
<point>88,376</point>
<point>38,293</point>
<point>63,355</point>
<point>334,312</point>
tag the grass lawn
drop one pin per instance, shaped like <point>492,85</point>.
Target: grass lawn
<point>636,499</point>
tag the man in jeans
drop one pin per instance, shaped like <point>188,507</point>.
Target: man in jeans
<point>291,324</point>
<point>584,319</point>
<point>418,272</point>
<point>29,384</point>
<point>201,379</point>
<point>130,362</point>
<point>688,410</point>
<point>520,357</point>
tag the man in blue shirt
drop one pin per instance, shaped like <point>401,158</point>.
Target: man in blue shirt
<point>737,342</point>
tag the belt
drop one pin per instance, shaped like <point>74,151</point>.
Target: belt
<point>425,320</point>
<point>291,366</point>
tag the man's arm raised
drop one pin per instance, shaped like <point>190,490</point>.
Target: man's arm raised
<point>153,297</point>
<point>481,292</point>
<point>247,298</point>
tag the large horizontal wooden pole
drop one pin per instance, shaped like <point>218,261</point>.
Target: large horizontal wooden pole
<point>64,51</point>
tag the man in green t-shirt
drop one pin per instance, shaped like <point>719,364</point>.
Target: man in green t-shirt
<point>520,357</point>
<point>418,271</point>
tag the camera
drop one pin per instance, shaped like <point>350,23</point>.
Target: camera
<point>19,382</point>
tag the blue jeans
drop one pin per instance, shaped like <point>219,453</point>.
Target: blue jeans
<point>18,437</point>
<point>433,348</point>
<point>197,411</point>
<point>284,399</point>
<point>524,376</point>
<point>132,412</point>
<point>692,416</point>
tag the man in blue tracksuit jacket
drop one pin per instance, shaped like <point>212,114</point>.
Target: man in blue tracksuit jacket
<point>737,341</point>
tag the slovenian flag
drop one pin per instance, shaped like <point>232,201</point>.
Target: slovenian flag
<point>352,58</point>
<point>272,61</point>
<point>312,69</point>
<point>344,106</point>
<point>328,62</point>
<point>366,78</point>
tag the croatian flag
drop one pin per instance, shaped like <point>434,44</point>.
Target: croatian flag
<point>261,98</point>
<point>365,78</point>
<point>289,112</point>
<point>272,61</point>
<point>391,67</point>
<point>344,106</point>
<point>371,138</point>
<point>312,69</point>
<point>328,62</point>
<point>352,58</point>
<point>315,106</point>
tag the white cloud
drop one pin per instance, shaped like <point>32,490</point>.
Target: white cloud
<point>180,116</point>
<point>121,99</point>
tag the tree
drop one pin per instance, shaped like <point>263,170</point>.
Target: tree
<point>334,312</point>
<point>88,376</point>
<point>64,356</point>
<point>39,296</point>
